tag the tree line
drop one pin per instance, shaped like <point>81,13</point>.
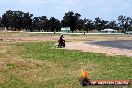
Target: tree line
<point>18,20</point>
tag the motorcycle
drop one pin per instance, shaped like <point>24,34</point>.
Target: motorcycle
<point>61,42</point>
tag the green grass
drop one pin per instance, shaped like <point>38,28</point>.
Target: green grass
<point>11,65</point>
<point>60,68</point>
<point>44,51</point>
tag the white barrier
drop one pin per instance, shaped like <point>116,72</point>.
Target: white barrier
<point>75,33</point>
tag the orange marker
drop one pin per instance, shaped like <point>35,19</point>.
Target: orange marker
<point>84,73</point>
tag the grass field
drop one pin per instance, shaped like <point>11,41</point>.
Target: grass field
<point>42,65</point>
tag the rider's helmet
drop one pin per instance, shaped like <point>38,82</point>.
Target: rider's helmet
<point>61,35</point>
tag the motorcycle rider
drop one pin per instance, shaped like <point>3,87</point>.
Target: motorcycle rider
<point>61,41</point>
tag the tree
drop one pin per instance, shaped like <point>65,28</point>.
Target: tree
<point>70,20</point>
<point>88,25</point>
<point>0,22</point>
<point>129,28</point>
<point>97,23</point>
<point>5,20</point>
<point>125,23</point>
<point>16,20</point>
<point>44,23</point>
<point>54,24</point>
<point>100,24</point>
<point>121,20</point>
<point>113,25</point>
<point>80,24</point>
<point>128,23</point>
<point>36,23</point>
<point>27,21</point>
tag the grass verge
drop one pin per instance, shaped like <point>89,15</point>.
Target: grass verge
<point>44,66</point>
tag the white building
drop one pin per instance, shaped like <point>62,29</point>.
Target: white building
<point>128,32</point>
<point>109,31</point>
<point>65,29</point>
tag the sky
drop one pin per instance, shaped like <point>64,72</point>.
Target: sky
<point>105,9</point>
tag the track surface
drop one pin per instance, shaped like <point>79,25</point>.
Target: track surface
<point>122,44</point>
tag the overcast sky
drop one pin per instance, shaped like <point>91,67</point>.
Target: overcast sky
<point>106,9</point>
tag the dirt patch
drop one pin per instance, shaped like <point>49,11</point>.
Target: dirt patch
<point>28,37</point>
<point>97,49</point>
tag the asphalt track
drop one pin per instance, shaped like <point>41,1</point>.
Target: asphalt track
<point>122,44</point>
